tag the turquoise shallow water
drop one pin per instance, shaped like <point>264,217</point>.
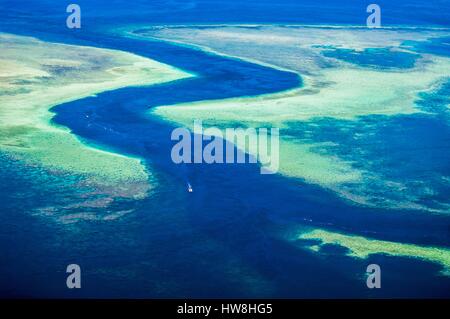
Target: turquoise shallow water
<point>382,58</point>
<point>227,239</point>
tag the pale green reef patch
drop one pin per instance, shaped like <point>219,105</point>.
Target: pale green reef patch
<point>363,248</point>
<point>37,75</point>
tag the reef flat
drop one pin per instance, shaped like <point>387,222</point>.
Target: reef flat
<point>351,76</point>
<point>37,75</point>
<point>361,247</point>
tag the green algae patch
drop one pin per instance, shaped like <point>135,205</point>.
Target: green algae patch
<point>362,247</point>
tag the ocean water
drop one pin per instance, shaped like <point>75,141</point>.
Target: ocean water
<point>229,238</point>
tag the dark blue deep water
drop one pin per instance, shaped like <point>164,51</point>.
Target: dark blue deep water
<point>226,238</point>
